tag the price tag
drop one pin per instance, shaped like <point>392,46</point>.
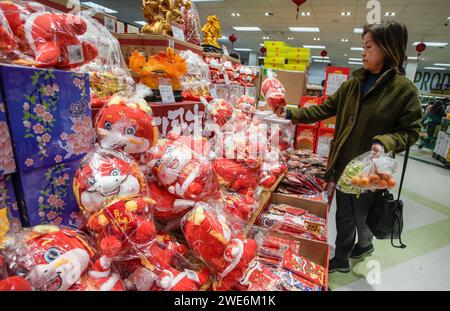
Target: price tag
<point>132,29</point>
<point>213,91</point>
<point>110,23</point>
<point>166,91</point>
<point>226,78</point>
<point>75,54</point>
<point>171,44</point>
<point>178,33</point>
<point>120,27</point>
<point>225,50</point>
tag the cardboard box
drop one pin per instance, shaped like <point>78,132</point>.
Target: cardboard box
<point>7,164</point>
<point>8,204</point>
<point>152,44</point>
<point>274,66</point>
<point>45,195</point>
<point>277,49</point>
<point>275,55</point>
<point>329,123</point>
<point>276,60</point>
<point>299,56</point>
<point>306,138</point>
<point>49,115</point>
<point>308,101</point>
<point>170,116</point>
<point>293,82</point>
<point>295,50</point>
<point>271,44</point>
<point>298,62</point>
<point>301,68</point>
<point>324,139</point>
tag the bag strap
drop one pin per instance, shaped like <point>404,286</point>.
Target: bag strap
<point>405,163</point>
<point>397,223</point>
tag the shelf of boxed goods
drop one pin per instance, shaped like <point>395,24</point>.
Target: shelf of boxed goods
<point>223,56</point>
<point>441,151</point>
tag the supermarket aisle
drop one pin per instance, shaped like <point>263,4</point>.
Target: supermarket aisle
<point>423,265</point>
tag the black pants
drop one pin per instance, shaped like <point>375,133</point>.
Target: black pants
<point>351,216</point>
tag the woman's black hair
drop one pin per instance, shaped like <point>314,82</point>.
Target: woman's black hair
<point>392,38</point>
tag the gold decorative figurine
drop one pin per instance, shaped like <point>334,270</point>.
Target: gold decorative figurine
<point>161,14</point>
<point>211,32</point>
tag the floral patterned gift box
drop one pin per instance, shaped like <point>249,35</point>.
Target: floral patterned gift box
<point>49,115</point>
<point>45,195</point>
<point>8,204</point>
<point>7,165</point>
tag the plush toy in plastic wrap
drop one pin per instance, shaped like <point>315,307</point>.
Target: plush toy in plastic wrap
<point>52,258</point>
<point>54,40</point>
<point>109,73</point>
<point>368,173</point>
<point>124,228</point>
<point>105,175</point>
<point>236,175</point>
<point>220,112</point>
<point>180,170</point>
<point>126,124</point>
<point>274,94</point>
<point>247,104</point>
<point>239,205</point>
<point>168,207</point>
<point>164,268</point>
<point>225,252</point>
<point>272,168</point>
<point>164,65</point>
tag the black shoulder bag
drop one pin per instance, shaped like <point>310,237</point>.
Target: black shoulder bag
<point>385,218</point>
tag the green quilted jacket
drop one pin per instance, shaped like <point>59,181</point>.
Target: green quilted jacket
<point>390,113</point>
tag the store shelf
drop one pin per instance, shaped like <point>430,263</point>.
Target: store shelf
<point>220,55</point>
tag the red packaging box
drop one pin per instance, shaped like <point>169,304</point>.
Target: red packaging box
<point>324,139</point>
<point>308,101</point>
<point>305,137</point>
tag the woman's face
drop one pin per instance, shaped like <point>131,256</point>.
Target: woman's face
<point>372,55</point>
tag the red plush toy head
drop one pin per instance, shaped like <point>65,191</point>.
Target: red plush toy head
<point>186,174</point>
<point>104,175</point>
<point>53,40</point>
<point>58,259</point>
<point>126,126</point>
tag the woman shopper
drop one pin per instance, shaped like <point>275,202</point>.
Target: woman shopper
<point>378,109</point>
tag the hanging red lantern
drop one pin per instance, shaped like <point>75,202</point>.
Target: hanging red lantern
<point>421,47</point>
<point>232,38</point>
<point>263,50</point>
<point>324,53</point>
<point>298,3</point>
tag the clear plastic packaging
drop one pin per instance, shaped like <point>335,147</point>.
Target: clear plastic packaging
<point>55,258</point>
<point>239,205</point>
<point>294,221</point>
<point>48,38</point>
<point>165,267</point>
<point>226,253</point>
<point>236,175</point>
<point>272,168</point>
<point>247,104</point>
<point>126,124</point>
<point>124,228</point>
<point>105,175</point>
<point>368,173</point>
<point>109,73</point>
<point>195,82</point>
<point>220,112</point>
<point>274,94</point>
<point>182,171</point>
<point>192,26</point>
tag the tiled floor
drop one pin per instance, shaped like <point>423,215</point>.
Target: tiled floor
<point>423,265</point>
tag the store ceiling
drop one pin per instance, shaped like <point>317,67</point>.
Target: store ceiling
<point>425,21</point>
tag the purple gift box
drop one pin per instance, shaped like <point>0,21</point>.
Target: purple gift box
<point>45,195</point>
<point>49,115</point>
<point>8,202</point>
<point>7,165</point>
